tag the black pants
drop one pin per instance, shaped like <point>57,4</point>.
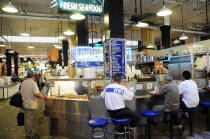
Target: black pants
<point>182,106</point>
<point>126,113</point>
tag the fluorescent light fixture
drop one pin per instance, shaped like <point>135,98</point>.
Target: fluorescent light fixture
<point>150,46</point>
<point>176,41</point>
<point>183,37</point>
<point>30,47</point>
<point>61,37</point>
<point>59,47</point>
<point>11,51</point>
<point>25,34</point>
<point>69,32</point>
<point>164,11</point>
<point>77,16</point>
<point>142,24</point>
<point>2,44</point>
<point>10,8</point>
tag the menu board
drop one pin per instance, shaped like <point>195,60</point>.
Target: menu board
<point>118,57</point>
<point>114,58</point>
<point>107,71</point>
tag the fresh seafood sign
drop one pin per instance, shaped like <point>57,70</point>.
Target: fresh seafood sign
<point>81,6</point>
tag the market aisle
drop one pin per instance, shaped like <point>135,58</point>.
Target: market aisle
<point>8,122</point>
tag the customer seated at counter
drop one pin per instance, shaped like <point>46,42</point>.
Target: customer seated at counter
<point>115,95</point>
<point>189,92</point>
<point>170,92</point>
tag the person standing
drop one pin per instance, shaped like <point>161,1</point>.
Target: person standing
<point>115,95</point>
<point>189,91</point>
<point>170,92</point>
<point>30,92</point>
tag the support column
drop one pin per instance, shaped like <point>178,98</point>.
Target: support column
<point>9,63</point>
<point>114,18</point>
<point>60,58</point>
<point>16,63</point>
<point>166,39</point>
<point>65,52</point>
<point>82,32</point>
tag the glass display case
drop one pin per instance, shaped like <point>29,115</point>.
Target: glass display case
<point>75,89</point>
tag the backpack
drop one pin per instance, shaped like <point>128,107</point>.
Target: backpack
<point>16,100</point>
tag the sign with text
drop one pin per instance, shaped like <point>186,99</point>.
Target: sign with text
<point>118,57</point>
<point>81,6</point>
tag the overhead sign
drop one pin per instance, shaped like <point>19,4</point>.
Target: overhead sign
<point>81,6</point>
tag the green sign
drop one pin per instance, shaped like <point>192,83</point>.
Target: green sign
<point>81,6</point>
<point>24,64</point>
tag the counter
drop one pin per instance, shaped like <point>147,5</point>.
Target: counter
<point>69,118</point>
<point>9,90</point>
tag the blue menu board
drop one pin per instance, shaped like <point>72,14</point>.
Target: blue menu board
<point>118,61</point>
<point>89,63</point>
<point>107,72</point>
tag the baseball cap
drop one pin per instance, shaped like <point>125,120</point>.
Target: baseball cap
<point>30,73</point>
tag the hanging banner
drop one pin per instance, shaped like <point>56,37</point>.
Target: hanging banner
<point>81,6</point>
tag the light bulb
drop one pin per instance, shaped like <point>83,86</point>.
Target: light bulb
<point>183,37</point>
<point>10,8</point>
<point>77,16</point>
<point>69,32</point>
<point>142,24</point>
<point>164,11</point>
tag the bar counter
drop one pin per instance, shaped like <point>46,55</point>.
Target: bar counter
<point>69,118</point>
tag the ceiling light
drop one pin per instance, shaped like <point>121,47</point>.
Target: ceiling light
<point>25,34</point>
<point>21,56</point>
<point>2,44</point>
<point>69,32</point>
<point>2,55</point>
<point>31,47</point>
<point>10,8</point>
<point>176,41</point>
<point>4,60</point>
<point>61,37</point>
<point>142,24</point>
<point>164,11</point>
<point>55,45</point>
<point>59,47</point>
<point>11,51</point>
<point>183,37</point>
<point>150,46</point>
<point>77,16</point>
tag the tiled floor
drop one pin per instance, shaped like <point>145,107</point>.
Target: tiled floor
<point>10,130</point>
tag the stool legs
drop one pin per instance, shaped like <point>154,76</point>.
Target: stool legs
<point>191,123</point>
<point>171,126</point>
<point>207,119</point>
<point>149,120</point>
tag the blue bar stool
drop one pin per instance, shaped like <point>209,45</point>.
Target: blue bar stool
<point>190,111</point>
<point>98,123</point>
<point>172,113</point>
<point>149,114</point>
<point>206,104</point>
<point>123,123</point>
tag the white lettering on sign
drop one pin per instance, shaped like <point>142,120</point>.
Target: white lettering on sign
<point>81,7</point>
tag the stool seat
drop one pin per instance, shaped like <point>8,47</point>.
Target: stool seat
<point>192,109</point>
<point>174,112</point>
<point>121,121</point>
<point>98,122</point>
<point>149,113</point>
<point>205,103</point>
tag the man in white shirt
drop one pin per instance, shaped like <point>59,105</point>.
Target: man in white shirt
<point>30,92</point>
<point>189,91</point>
<point>115,96</point>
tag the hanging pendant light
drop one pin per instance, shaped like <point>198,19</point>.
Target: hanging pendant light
<point>61,34</point>
<point>1,43</point>
<point>30,47</point>
<point>10,8</point>
<point>69,32</point>
<point>142,24</point>
<point>77,16</point>
<point>164,11</point>
<point>25,34</point>
<point>183,36</point>
<point>150,46</point>
<point>58,47</point>
<point>176,41</point>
